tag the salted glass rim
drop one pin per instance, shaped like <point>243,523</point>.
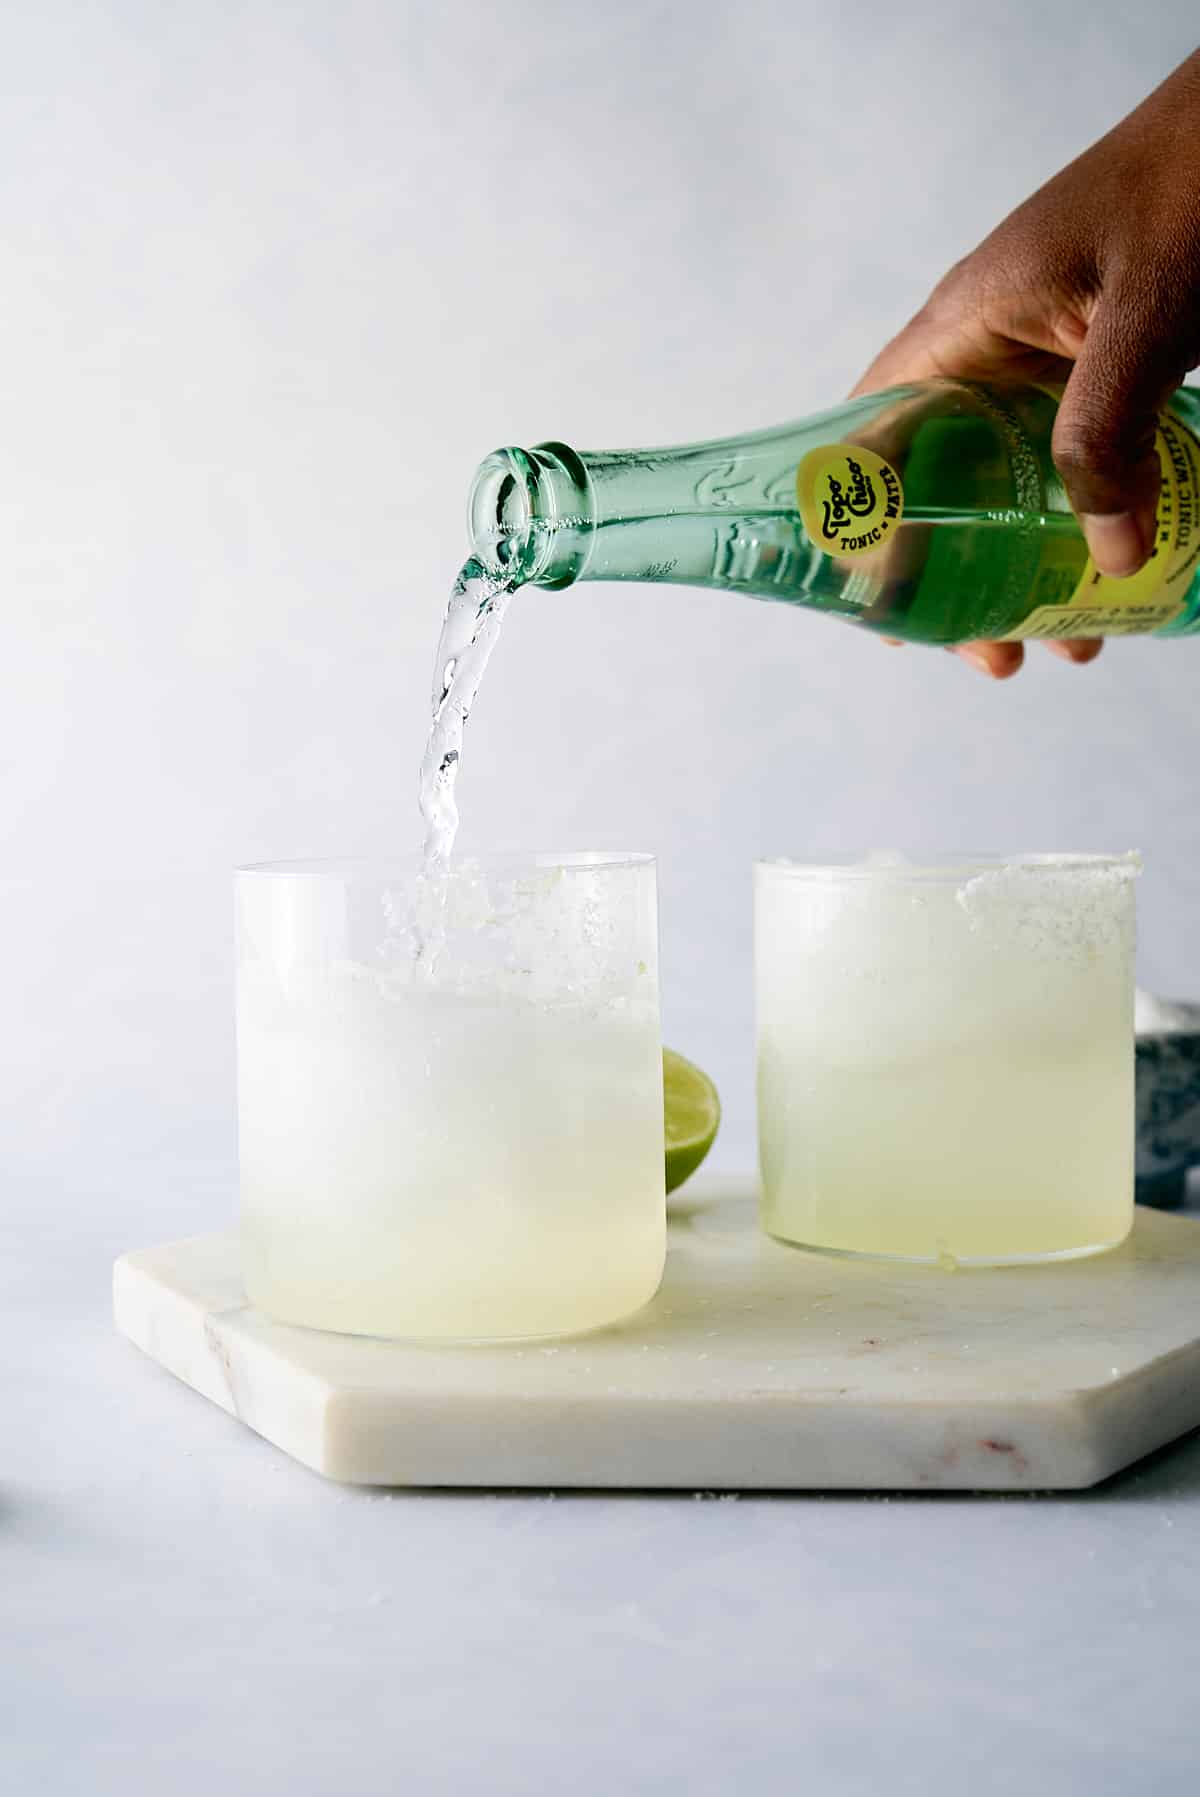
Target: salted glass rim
<point>383,867</point>
<point>952,868</point>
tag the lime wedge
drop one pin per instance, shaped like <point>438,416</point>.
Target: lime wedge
<point>692,1112</point>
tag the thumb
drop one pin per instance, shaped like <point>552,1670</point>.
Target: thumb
<point>1104,436</point>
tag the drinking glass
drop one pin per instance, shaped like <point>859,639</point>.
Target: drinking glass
<point>946,1056</point>
<point>450,1094</point>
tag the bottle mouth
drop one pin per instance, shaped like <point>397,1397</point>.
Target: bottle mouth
<point>501,509</point>
<point>530,513</point>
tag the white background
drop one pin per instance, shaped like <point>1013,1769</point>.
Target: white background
<point>274,278</point>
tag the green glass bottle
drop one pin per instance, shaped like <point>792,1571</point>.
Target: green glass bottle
<point>931,512</point>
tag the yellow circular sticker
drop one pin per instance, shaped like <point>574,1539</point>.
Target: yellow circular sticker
<point>850,499</point>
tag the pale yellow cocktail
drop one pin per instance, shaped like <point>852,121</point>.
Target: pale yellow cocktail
<point>945,1057</point>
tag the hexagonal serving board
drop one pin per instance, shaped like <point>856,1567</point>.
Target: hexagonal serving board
<point>757,1367</point>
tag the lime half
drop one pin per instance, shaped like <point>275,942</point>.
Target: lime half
<point>692,1113</point>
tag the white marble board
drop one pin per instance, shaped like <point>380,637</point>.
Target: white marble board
<point>757,1367</point>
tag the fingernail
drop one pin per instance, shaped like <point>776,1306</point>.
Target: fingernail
<point>1076,649</point>
<point>1115,542</point>
<point>977,659</point>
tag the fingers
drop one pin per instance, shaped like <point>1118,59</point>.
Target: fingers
<point>1104,433</point>
<point>999,660</point>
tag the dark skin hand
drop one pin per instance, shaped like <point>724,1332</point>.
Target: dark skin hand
<point>1093,282</point>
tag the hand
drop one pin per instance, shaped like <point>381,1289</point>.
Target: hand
<point>1093,282</point>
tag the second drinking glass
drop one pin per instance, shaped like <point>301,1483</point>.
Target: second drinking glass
<point>945,1057</point>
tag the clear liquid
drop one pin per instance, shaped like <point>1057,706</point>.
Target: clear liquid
<point>474,615</point>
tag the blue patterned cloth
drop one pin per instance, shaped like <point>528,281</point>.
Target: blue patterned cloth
<point>1168,1111</point>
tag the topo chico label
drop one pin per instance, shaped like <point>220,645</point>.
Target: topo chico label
<point>1094,604</point>
<point>850,499</point>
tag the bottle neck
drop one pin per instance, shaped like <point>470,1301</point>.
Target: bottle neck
<point>549,516</point>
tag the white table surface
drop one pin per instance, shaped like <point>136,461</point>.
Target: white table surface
<point>184,1611</point>
<point>754,1368</point>
<point>187,1610</point>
